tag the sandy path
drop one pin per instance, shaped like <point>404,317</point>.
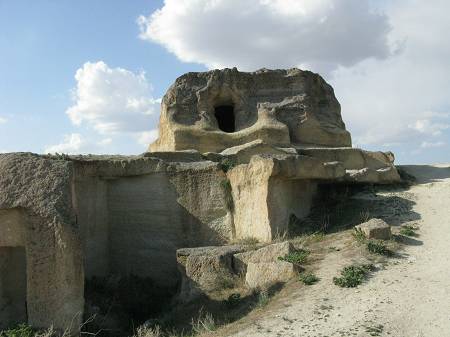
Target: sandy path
<point>410,297</point>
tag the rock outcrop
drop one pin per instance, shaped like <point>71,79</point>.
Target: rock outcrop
<point>238,156</point>
<point>42,278</point>
<point>219,109</point>
<point>208,269</point>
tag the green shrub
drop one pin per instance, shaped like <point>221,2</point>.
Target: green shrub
<point>309,279</point>
<point>227,164</point>
<point>22,330</point>
<point>353,276</point>
<point>408,230</point>
<point>378,247</point>
<point>298,257</point>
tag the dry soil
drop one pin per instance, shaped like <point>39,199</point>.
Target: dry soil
<point>409,296</point>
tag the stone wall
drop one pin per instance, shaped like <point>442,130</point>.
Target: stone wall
<point>13,268</point>
<point>134,217</point>
<point>38,230</point>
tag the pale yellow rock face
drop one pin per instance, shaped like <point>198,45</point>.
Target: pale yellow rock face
<point>266,254</point>
<point>279,107</point>
<point>41,274</point>
<point>269,189</point>
<point>263,275</point>
<point>239,155</point>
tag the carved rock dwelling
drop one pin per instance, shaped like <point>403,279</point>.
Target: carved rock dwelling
<point>238,156</point>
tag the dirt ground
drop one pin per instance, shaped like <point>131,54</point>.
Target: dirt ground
<point>408,295</point>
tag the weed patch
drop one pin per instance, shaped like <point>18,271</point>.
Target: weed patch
<point>309,279</point>
<point>204,323</point>
<point>145,331</point>
<point>352,276</point>
<point>378,247</point>
<point>298,257</point>
<point>22,330</point>
<point>408,230</point>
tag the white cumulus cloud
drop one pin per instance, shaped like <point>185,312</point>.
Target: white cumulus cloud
<point>115,106</point>
<point>72,144</point>
<point>112,100</point>
<point>251,34</point>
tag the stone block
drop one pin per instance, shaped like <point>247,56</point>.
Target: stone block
<point>375,229</point>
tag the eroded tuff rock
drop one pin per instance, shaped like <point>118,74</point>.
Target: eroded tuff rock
<point>215,110</point>
<point>205,269</point>
<point>238,156</point>
<point>40,246</point>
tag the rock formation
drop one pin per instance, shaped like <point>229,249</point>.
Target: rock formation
<point>239,155</point>
<point>216,110</point>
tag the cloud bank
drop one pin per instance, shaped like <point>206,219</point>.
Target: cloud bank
<point>251,34</point>
<point>403,102</point>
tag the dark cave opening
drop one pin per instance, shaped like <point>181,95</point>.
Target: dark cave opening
<point>225,118</point>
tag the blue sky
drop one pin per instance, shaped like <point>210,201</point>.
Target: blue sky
<point>85,76</point>
<point>43,43</point>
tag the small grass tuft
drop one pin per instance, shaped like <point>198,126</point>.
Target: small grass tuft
<point>352,276</point>
<point>263,299</point>
<point>359,236</point>
<point>408,230</point>
<point>204,323</point>
<point>298,257</point>
<point>364,216</point>
<point>378,247</point>
<point>145,331</point>
<point>309,279</point>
